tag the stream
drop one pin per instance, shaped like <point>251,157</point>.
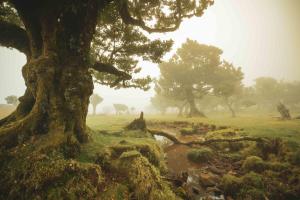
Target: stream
<point>198,180</point>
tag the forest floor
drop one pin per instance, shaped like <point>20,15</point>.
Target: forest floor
<point>222,170</point>
<point>132,164</point>
<point>254,125</point>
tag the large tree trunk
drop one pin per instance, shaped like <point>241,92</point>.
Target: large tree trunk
<point>194,112</point>
<point>56,73</point>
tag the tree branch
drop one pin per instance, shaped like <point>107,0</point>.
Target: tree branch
<point>108,68</point>
<point>128,19</point>
<point>12,36</point>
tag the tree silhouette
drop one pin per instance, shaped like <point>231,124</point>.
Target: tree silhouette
<point>95,100</point>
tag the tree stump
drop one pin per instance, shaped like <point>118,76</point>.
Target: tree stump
<point>138,124</point>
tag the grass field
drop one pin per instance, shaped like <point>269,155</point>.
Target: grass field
<point>254,125</point>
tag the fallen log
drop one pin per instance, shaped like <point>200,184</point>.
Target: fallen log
<point>204,142</point>
<point>165,134</point>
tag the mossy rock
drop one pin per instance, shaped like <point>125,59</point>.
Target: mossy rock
<point>250,186</point>
<point>201,155</point>
<point>41,176</point>
<point>254,163</point>
<point>143,178</point>
<point>149,150</point>
<point>230,184</point>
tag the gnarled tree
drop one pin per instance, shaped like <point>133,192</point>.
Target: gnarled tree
<point>189,74</point>
<point>56,37</point>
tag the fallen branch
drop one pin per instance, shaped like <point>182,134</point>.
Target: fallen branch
<point>204,142</point>
<point>165,134</point>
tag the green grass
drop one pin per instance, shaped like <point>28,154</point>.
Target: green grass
<point>253,125</point>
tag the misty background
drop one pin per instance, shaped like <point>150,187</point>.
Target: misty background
<point>260,36</point>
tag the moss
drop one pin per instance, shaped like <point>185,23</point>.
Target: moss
<point>103,159</point>
<point>249,186</point>
<point>254,163</point>
<point>187,131</point>
<point>277,166</point>
<point>71,147</point>
<point>233,157</point>
<point>200,155</point>
<point>251,194</point>
<point>149,150</point>
<point>115,191</point>
<point>271,146</point>
<point>236,146</point>
<point>143,178</point>
<point>50,176</point>
<point>295,158</point>
<point>253,179</point>
<point>230,185</point>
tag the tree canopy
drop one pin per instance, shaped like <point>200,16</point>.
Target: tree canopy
<point>189,74</point>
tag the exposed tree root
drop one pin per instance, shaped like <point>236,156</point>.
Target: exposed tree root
<point>204,142</point>
<point>24,107</point>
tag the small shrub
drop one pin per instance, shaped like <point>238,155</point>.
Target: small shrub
<point>253,179</point>
<point>254,163</point>
<point>230,185</point>
<point>200,155</point>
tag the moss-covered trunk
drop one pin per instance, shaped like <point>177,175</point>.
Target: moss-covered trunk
<point>56,73</point>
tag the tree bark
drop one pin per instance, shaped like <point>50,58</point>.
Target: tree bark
<point>57,73</point>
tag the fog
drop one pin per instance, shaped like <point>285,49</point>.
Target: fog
<point>261,36</point>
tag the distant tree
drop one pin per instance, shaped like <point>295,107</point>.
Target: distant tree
<point>95,100</point>
<point>121,108</point>
<point>189,74</point>
<point>228,85</point>
<point>267,92</point>
<point>12,99</point>
<point>290,93</point>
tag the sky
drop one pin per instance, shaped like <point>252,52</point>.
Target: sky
<point>260,36</point>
